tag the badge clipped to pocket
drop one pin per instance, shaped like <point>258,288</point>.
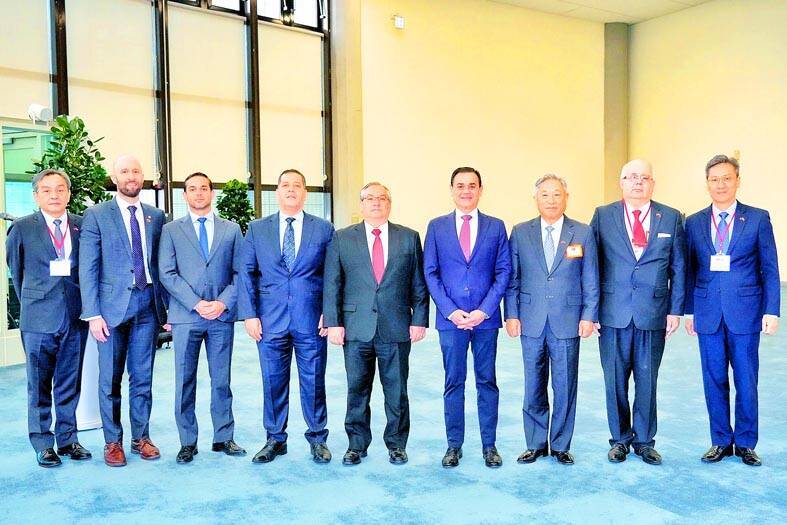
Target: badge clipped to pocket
<point>60,268</point>
<point>720,263</point>
<point>574,251</point>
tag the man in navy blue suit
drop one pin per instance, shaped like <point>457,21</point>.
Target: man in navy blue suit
<point>642,269</point>
<point>733,293</point>
<point>552,301</point>
<point>123,301</point>
<point>199,262</point>
<point>42,251</point>
<point>280,300</point>
<point>467,266</point>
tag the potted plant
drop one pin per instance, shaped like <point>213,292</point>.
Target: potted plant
<point>233,204</point>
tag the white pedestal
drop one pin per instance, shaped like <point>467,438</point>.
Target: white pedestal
<point>88,415</point>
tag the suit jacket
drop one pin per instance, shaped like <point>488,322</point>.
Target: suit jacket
<point>29,250</point>
<point>750,289</point>
<point>190,278</point>
<point>644,290</point>
<point>352,297</point>
<point>458,284</point>
<point>564,294</point>
<point>283,300</point>
<point>106,273</point>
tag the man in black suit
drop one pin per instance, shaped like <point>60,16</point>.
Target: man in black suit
<point>376,304</point>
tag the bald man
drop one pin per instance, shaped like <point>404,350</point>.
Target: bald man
<point>123,304</point>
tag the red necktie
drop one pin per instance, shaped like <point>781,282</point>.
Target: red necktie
<point>639,240</point>
<point>378,260</point>
<point>464,236</point>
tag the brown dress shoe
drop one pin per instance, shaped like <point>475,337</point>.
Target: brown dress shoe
<point>114,455</point>
<point>145,448</point>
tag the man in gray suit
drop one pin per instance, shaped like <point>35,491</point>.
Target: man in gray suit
<point>376,304</point>
<point>552,301</point>
<point>199,260</point>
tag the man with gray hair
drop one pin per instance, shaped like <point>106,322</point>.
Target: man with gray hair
<point>42,251</point>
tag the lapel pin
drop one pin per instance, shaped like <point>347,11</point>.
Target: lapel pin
<point>148,219</point>
<point>741,219</point>
<point>658,215</point>
<point>562,242</point>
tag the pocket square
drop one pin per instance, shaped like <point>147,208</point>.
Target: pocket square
<point>664,235</point>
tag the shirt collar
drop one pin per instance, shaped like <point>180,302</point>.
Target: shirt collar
<point>208,217</point>
<point>730,211</point>
<point>298,217</point>
<point>51,220</point>
<point>383,228</point>
<point>460,214</point>
<point>124,204</point>
<point>558,224</point>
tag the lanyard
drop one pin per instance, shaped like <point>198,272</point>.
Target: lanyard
<point>721,238</point>
<point>59,245</point>
<point>642,220</point>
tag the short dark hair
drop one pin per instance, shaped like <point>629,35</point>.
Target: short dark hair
<point>46,173</point>
<point>466,169</point>
<point>722,159</point>
<point>291,170</point>
<point>197,174</point>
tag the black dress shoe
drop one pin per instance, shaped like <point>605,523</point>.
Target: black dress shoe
<point>47,458</point>
<point>269,452</point>
<point>492,458</point>
<point>452,457</point>
<point>75,451</point>
<point>618,452</point>
<point>531,454</point>
<point>649,455</point>
<point>229,447</point>
<point>748,456</point>
<point>353,456</point>
<point>717,453</point>
<point>397,456</point>
<point>320,453</point>
<point>186,454</point>
<point>564,457</point>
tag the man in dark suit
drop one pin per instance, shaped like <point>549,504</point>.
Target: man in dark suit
<point>42,251</point>
<point>280,301</point>
<point>199,261</point>
<point>467,266</point>
<point>552,301</point>
<point>376,304</point>
<point>642,268</point>
<point>733,293</point>
<point>123,301</point>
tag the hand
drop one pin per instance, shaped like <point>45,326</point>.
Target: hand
<point>459,317</point>
<point>513,327</point>
<point>322,330</point>
<point>203,308</point>
<point>673,323</point>
<point>167,327</point>
<point>219,308</point>
<point>417,333</point>
<point>597,328</point>
<point>473,319</point>
<point>253,328</point>
<point>770,323</point>
<point>585,329</point>
<point>690,327</point>
<point>99,329</point>
<point>336,335</point>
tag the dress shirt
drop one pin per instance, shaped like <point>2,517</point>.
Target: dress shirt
<point>730,223</point>
<point>210,224</point>
<point>630,224</point>
<point>383,238</point>
<point>473,225</point>
<point>50,223</point>
<point>558,228</point>
<point>123,204</point>
<point>297,227</point>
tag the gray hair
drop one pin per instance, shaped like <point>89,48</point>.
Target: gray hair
<point>550,176</point>
<point>46,173</point>
<point>722,159</point>
<point>625,170</point>
<point>374,183</point>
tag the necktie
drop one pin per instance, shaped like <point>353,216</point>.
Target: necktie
<point>203,237</point>
<point>288,246</point>
<point>140,280</point>
<point>378,261</point>
<point>639,240</point>
<point>549,247</point>
<point>722,241</point>
<point>59,243</point>
<point>464,236</point>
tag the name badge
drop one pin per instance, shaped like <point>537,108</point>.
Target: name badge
<point>720,263</point>
<point>60,268</point>
<point>574,251</point>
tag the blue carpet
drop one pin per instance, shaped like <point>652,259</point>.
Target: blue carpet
<point>220,489</point>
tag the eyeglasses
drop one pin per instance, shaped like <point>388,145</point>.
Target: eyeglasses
<point>713,181</point>
<point>376,198</point>
<point>636,177</point>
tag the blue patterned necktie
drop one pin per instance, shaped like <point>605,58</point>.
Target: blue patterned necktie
<point>723,240</point>
<point>288,246</point>
<point>59,240</point>
<point>549,247</point>
<point>140,280</point>
<point>203,237</point>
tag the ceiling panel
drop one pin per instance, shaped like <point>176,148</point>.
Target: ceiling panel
<point>606,10</point>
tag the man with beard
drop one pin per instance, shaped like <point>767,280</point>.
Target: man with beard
<point>123,302</point>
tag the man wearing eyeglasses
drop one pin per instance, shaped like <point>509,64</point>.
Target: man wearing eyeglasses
<point>733,293</point>
<point>642,270</point>
<point>375,304</point>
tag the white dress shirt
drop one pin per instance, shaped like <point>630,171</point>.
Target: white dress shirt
<point>297,227</point>
<point>730,223</point>
<point>383,239</point>
<point>473,225</point>
<point>645,218</point>
<point>139,214</point>
<point>64,229</point>
<point>558,228</point>
<point>210,226</point>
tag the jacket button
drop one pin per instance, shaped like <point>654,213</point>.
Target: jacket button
<point>374,310</point>
<point>549,278</point>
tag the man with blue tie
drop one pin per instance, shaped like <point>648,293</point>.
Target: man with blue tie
<point>552,301</point>
<point>467,266</point>
<point>733,292</point>
<point>642,269</point>
<point>42,251</point>
<point>123,301</point>
<point>199,261</point>
<point>280,301</point>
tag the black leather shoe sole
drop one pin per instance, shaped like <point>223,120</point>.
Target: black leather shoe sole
<point>48,463</point>
<point>268,458</point>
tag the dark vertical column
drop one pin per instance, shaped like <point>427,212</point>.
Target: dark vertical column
<point>327,107</point>
<point>59,56</point>
<point>163,113</point>
<point>253,103</point>
<point>616,104</point>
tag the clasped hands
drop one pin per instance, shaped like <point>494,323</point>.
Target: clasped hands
<point>467,320</point>
<point>210,310</point>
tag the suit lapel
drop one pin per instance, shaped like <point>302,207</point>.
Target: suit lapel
<point>43,235</point>
<point>362,247</point>
<point>119,225</point>
<point>188,230</point>
<point>617,216</point>
<point>707,221</point>
<point>740,224</point>
<point>448,223</point>
<point>655,221</point>
<point>538,244</point>
<point>394,247</point>
<point>147,217</point>
<point>219,229</point>
<point>566,234</point>
<point>483,226</point>
<point>307,228</point>
<point>73,231</point>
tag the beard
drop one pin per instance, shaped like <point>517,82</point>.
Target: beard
<point>129,193</point>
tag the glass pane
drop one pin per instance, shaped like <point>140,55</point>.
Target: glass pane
<point>229,4</point>
<point>318,204</point>
<point>269,8</point>
<point>306,12</point>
